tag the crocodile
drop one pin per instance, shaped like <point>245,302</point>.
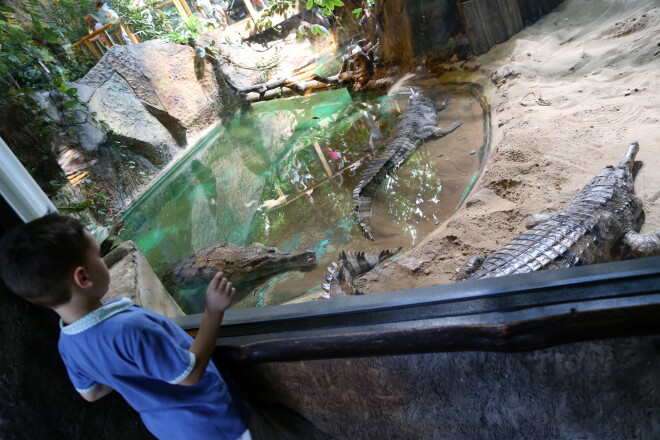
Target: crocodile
<point>351,265</point>
<point>600,224</point>
<point>416,124</point>
<point>239,264</point>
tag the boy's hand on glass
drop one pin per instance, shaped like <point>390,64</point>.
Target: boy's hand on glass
<point>219,294</point>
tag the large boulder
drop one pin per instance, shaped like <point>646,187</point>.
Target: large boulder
<point>71,117</point>
<point>132,277</point>
<point>174,86</point>
<point>131,123</point>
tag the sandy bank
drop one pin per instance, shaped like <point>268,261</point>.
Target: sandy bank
<point>569,94</point>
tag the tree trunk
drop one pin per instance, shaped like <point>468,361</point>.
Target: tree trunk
<point>396,33</point>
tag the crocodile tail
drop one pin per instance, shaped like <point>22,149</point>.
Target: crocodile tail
<point>363,209</point>
<point>629,159</point>
<point>363,193</point>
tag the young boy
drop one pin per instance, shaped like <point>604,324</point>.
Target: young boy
<point>160,370</point>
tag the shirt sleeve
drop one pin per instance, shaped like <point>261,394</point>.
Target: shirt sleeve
<point>80,381</point>
<point>159,356</point>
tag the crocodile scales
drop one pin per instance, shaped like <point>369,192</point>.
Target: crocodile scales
<point>600,224</point>
<point>239,264</point>
<point>416,124</point>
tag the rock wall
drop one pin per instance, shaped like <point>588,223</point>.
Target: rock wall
<point>155,84</point>
<point>603,390</point>
<point>135,112</point>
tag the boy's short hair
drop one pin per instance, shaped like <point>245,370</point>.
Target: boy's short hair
<point>99,3</point>
<point>36,258</point>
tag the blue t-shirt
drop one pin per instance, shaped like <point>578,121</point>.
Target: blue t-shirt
<point>143,356</point>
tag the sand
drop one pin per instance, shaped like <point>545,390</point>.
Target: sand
<point>567,95</point>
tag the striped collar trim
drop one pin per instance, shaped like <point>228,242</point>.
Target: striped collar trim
<point>91,319</point>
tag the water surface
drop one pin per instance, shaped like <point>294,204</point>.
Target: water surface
<point>283,175</point>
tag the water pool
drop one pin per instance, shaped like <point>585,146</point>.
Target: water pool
<point>283,175</point>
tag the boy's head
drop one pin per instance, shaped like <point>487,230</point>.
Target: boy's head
<point>100,4</point>
<point>38,258</point>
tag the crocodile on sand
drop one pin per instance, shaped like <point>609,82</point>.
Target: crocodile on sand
<point>416,124</point>
<point>239,264</point>
<point>351,265</point>
<point>600,224</point>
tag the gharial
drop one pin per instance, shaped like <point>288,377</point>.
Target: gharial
<point>239,264</point>
<point>600,224</point>
<point>350,266</point>
<point>416,124</point>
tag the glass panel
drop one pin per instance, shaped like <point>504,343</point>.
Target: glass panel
<point>262,180</point>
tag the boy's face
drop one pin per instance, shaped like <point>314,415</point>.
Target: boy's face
<point>95,267</point>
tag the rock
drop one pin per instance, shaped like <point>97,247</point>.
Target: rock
<point>75,120</point>
<point>132,277</point>
<point>503,75</point>
<point>131,123</point>
<point>178,91</point>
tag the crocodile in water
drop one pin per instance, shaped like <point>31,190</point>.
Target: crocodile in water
<point>416,124</point>
<point>600,224</point>
<point>239,264</point>
<point>351,265</point>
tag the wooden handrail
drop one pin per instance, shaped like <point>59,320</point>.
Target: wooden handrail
<point>87,40</point>
<point>92,36</point>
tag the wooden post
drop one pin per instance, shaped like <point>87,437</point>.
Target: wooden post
<point>251,10</point>
<point>328,170</point>
<point>93,50</point>
<point>134,39</point>
<point>183,8</point>
<point>179,8</point>
<point>106,38</point>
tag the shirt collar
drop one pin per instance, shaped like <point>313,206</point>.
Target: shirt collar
<point>91,319</point>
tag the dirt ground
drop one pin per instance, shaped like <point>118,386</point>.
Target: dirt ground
<point>567,95</point>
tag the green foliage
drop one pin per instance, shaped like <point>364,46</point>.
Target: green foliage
<point>67,16</point>
<point>188,31</point>
<point>278,7</point>
<point>326,6</point>
<point>18,48</point>
<point>95,200</point>
<point>146,22</point>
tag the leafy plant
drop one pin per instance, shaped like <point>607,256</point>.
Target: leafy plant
<point>147,22</point>
<point>188,30</point>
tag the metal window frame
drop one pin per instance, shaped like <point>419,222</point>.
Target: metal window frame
<point>510,314</point>
<point>19,189</point>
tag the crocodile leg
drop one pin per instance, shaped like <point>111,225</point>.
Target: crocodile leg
<point>431,130</point>
<point>470,267</point>
<point>440,131</point>
<point>441,107</point>
<point>641,245</point>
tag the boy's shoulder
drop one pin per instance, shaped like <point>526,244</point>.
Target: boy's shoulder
<point>115,317</point>
<point>134,315</point>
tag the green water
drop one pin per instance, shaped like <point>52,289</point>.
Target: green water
<point>261,179</point>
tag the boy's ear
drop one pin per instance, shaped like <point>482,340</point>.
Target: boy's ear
<point>80,278</point>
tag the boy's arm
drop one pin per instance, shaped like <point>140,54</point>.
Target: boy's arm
<point>98,392</point>
<point>218,297</point>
